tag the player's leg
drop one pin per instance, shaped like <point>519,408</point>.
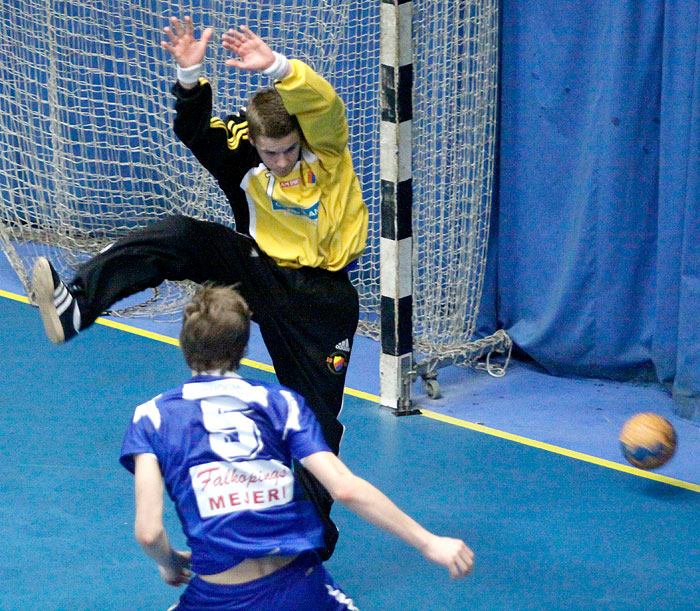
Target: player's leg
<point>309,333</point>
<point>307,319</point>
<point>176,248</point>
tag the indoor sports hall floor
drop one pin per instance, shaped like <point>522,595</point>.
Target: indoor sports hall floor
<point>525,468</point>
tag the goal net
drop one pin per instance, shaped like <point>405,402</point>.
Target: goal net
<point>87,151</point>
<point>455,63</point>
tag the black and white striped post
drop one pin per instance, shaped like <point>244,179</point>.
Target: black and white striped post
<point>396,243</point>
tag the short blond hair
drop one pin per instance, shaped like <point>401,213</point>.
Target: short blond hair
<point>215,329</point>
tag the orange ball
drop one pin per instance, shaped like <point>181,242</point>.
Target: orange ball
<point>647,440</point>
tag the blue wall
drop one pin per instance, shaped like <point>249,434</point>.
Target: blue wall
<point>594,266</point>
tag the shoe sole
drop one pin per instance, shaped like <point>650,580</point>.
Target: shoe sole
<point>42,287</point>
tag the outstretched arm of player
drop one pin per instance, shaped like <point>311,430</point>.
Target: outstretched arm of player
<point>148,526</point>
<point>185,48</point>
<point>368,502</point>
<point>254,55</point>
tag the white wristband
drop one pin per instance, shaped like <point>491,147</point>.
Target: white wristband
<point>279,68</point>
<point>189,76</point>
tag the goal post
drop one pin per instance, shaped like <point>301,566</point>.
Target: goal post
<point>438,137</point>
<point>87,151</point>
<point>396,239</point>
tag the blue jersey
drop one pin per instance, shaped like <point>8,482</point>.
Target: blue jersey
<point>225,447</point>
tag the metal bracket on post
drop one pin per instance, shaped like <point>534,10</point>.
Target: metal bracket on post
<point>405,403</point>
<point>396,375</point>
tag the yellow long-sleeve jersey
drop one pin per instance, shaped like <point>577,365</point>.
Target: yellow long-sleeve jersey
<point>313,217</point>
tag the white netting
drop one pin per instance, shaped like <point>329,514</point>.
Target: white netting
<point>454,139</point>
<point>87,151</point>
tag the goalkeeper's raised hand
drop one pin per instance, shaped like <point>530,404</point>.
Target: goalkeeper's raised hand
<point>253,53</point>
<point>182,45</point>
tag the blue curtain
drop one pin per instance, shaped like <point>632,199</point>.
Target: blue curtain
<point>594,265</point>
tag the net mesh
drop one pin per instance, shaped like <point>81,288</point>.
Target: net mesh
<point>87,151</point>
<point>86,144</point>
<point>454,136</point>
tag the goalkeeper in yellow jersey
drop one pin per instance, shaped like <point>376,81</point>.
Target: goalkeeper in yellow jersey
<point>300,224</point>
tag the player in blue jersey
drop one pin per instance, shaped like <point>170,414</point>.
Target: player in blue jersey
<point>223,447</point>
<point>300,225</point>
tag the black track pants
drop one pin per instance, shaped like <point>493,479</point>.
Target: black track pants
<point>307,316</point>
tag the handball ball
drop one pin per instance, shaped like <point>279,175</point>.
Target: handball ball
<point>647,440</point>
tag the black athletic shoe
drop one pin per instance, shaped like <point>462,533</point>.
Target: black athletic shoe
<point>58,308</point>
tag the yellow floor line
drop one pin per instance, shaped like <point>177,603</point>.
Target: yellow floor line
<point>143,333</point>
<point>427,413</point>
<point>13,296</point>
<point>557,450</point>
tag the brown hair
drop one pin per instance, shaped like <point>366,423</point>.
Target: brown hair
<point>215,329</point>
<point>268,117</point>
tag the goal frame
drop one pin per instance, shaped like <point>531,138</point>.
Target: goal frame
<point>398,366</point>
<point>68,179</point>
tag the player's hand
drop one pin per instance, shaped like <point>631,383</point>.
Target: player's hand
<point>453,554</point>
<point>177,572</point>
<point>182,45</point>
<point>253,53</point>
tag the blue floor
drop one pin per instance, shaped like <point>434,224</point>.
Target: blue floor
<point>572,415</point>
<point>525,468</point>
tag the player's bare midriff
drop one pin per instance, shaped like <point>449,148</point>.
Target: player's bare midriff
<point>249,570</point>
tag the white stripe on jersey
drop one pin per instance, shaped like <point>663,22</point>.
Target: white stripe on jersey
<point>148,410</point>
<point>341,598</point>
<point>229,386</point>
<point>292,423</point>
